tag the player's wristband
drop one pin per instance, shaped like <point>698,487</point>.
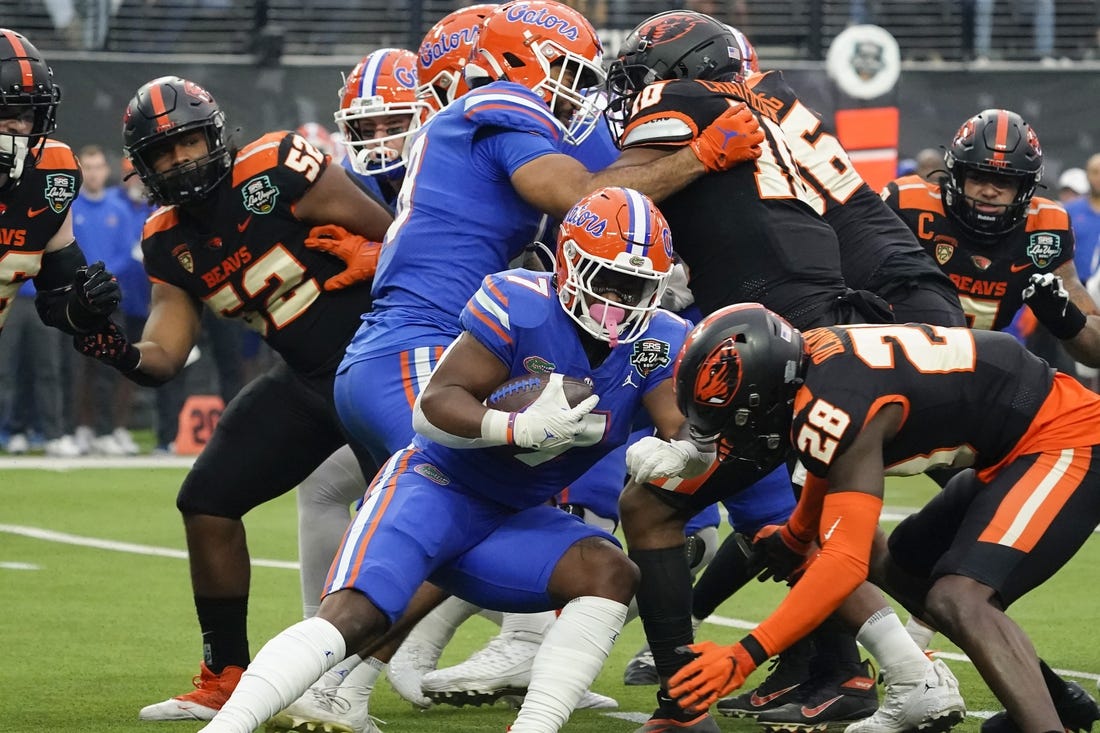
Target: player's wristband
<point>1069,325</point>
<point>498,427</point>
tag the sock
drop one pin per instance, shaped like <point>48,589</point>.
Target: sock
<point>726,573</point>
<point>898,656</point>
<point>530,627</point>
<point>364,676</point>
<point>570,657</point>
<point>835,646</point>
<point>664,600</point>
<point>324,511</point>
<point>440,625</point>
<point>224,624</point>
<point>921,634</point>
<point>283,669</point>
<point>336,676</point>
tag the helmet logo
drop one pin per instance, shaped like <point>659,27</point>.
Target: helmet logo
<point>965,134</point>
<point>405,76</point>
<point>668,29</point>
<point>194,90</point>
<point>719,375</point>
<point>542,18</point>
<point>649,355</point>
<point>432,52</point>
<point>637,261</point>
<point>581,217</point>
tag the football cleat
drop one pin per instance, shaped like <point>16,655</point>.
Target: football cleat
<point>501,669</point>
<point>1076,709</point>
<point>671,718</point>
<point>212,691</point>
<point>641,670</point>
<point>340,709</point>
<point>931,704</point>
<point>787,674</point>
<point>413,660</point>
<point>836,699</point>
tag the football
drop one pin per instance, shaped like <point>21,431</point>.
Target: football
<point>517,394</point>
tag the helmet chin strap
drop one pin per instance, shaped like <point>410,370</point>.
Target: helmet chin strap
<point>609,317</point>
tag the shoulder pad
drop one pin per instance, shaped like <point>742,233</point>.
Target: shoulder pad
<point>56,155</point>
<point>511,106</point>
<point>258,156</point>
<point>161,220</point>
<point>1046,214</point>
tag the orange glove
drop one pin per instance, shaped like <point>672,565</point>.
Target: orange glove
<point>360,255</point>
<point>715,672</point>
<point>782,552</point>
<point>734,137</point>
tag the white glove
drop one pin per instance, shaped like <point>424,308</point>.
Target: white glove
<point>677,295</point>
<point>652,458</point>
<point>549,421</point>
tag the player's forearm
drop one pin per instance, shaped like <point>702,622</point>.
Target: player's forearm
<point>157,364</point>
<point>658,178</point>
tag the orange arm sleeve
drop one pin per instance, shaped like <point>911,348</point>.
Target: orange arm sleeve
<point>806,517</point>
<point>849,519</point>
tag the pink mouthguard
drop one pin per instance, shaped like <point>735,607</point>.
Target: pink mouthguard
<point>609,317</point>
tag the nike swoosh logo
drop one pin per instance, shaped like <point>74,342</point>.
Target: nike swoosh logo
<point>244,225</point>
<point>1017,268</point>
<point>829,532</point>
<point>758,700</point>
<point>35,212</point>
<point>814,712</point>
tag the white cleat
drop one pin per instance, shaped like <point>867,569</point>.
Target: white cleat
<point>930,705</point>
<point>326,710</point>
<point>413,660</point>
<point>595,701</point>
<point>501,669</point>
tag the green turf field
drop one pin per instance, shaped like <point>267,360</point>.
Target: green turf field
<point>97,618</point>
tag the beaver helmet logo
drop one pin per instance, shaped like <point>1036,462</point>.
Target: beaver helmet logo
<point>719,375</point>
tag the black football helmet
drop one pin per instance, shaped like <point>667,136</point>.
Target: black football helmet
<point>736,378</point>
<point>676,44</point>
<point>26,91</point>
<point>992,141</point>
<point>166,108</point>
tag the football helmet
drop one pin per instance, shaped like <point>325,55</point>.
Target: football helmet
<point>676,44</point>
<point>992,141</point>
<point>736,378</point>
<point>316,135</point>
<point>750,64</point>
<point>381,88</point>
<point>27,92</point>
<point>551,49</point>
<point>166,108</point>
<point>613,241</point>
<point>444,52</point>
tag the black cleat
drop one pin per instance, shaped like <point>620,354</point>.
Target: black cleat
<point>837,699</point>
<point>1076,709</point>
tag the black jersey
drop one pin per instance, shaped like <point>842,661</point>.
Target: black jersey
<point>749,233</point>
<point>968,396</point>
<point>990,276</point>
<point>247,258</point>
<point>31,212</point>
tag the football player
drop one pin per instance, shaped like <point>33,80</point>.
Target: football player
<point>1004,247</point>
<point>502,544</point>
<point>39,179</point>
<point>764,239</point>
<point>863,402</point>
<point>250,235</point>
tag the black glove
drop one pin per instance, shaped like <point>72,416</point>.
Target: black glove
<point>781,553</point>
<point>94,295</point>
<point>109,345</point>
<point>1049,301</point>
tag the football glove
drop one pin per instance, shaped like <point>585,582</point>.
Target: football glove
<point>109,345</point>
<point>652,458</point>
<point>782,553</point>
<point>734,137</point>
<point>714,672</point>
<point>549,421</point>
<point>94,295</point>
<point>1048,299</point>
<point>360,255</point>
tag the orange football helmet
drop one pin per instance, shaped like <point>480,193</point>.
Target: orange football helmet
<point>551,49</point>
<point>379,95</point>
<point>443,54</point>
<point>613,241</point>
<point>750,64</point>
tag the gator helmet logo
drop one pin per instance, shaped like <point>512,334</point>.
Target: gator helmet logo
<point>183,256</point>
<point>944,252</point>
<point>60,191</point>
<point>719,375</point>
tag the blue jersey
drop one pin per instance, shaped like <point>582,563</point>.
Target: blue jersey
<point>517,315</point>
<point>458,216</point>
<point>373,184</point>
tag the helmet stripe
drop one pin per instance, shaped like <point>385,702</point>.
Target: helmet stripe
<point>156,98</point>
<point>20,55</point>
<point>639,233</point>
<point>371,72</point>
<point>1002,136</point>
